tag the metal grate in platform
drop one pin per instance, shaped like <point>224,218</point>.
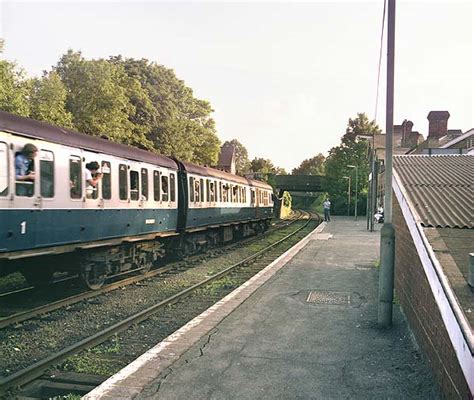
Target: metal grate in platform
<point>330,298</point>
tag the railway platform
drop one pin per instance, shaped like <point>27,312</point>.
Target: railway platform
<point>303,328</point>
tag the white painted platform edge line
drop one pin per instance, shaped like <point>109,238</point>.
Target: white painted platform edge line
<point>151,354</point>
<point>441,290</point>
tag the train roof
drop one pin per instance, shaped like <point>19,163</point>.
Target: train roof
<point>208,171</point>
<point>41,130</point>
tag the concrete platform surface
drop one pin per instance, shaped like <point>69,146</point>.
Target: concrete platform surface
<point>309,332</point>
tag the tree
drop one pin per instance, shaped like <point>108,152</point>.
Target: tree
<point>180,124</point>
<point>353,150</point>
<point>48,101</point>
<point>311,166</point>
<point>98,98</point>
<point>242,162</point>
<point>14,89</point>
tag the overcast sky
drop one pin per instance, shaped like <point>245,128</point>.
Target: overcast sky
<point>282,77</point>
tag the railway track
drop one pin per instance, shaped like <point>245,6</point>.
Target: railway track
<point>24,315</point>
<point>253,263</point>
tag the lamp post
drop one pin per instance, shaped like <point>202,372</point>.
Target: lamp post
<point>348,194</point>
<point>357,182</point>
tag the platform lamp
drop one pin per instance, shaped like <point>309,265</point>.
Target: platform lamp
<point>348,194</point>
<point>357,188</point>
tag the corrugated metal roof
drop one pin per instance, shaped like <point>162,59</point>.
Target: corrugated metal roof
<point>440,188</point>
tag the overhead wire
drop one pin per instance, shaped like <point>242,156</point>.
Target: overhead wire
<point>380,61</point>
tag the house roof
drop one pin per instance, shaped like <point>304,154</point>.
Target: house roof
<point>439,187</point>
<point>226,155</point>
<point>458,139</point>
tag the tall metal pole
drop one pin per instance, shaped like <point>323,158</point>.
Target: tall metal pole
<point>349,198</point>
<point>387,239</point>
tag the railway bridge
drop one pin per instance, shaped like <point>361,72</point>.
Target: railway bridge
<point>299,183</point>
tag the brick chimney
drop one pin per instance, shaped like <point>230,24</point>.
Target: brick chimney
<point>407,126</point>
<point>438,124</point>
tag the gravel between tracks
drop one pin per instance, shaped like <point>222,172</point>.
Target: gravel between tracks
<point>35,339</point>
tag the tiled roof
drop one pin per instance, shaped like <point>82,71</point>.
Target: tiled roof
<point>440,188</point>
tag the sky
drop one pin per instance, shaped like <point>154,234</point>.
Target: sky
<point>283,78</point>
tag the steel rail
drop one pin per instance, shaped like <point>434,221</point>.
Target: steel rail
<point>37,369</point>
<point>25,315</point>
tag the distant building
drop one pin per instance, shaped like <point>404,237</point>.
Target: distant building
<point>227,158</point>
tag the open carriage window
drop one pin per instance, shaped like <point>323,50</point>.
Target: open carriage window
<point>3,169</point>
<point>197,190</point>
<point>164,188</point>
<point>25,170</point>
<point>75,177</point>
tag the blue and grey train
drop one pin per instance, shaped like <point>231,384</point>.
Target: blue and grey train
<point>144,206</point>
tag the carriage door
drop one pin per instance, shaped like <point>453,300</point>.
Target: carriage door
<point>26,203</point>
<point>45,219</point>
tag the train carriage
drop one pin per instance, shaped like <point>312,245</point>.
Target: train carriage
<point>142,206</point>
<point>217,206</point>
<point>135,201</point>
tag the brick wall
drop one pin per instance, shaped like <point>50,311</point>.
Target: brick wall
<point>420,307</point>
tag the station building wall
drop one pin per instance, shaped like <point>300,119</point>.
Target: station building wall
<point>420,307</point>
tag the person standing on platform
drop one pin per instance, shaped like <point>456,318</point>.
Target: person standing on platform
<point>327,208</point>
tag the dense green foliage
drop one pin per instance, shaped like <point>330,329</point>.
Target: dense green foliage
<point>134,102</point>
<point>311,166</point>
<point>14,89</point>
<point>352,151</point>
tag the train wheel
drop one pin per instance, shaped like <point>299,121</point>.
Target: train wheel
<point>145,263</point>
<point>93,276</point>
<point>38,276</point>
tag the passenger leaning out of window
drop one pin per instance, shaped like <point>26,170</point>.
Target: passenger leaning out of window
<point>25,169</point>
<point>92,177</point>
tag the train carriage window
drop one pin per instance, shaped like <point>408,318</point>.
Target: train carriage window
<point>252,196</point>
<point>164,188</point>
<point>47,174</point>
<point>220,191</point>
<point>106,180</point>
<point>225,193</point>
<point>156,186</point>
<point>144,184</point>
<point>197,190</point>
<point>191,189</point>
<point>172,187</point>
<point>75,177</point>
<point>134,185</point>
<point>208,190</point>
<point>25,166</point>
<point>123,182</point>
<point>211,191</point>
<point>3,169</point>
<point>201,181</point>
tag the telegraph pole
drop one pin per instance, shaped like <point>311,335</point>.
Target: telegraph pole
<point>387,239</point>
